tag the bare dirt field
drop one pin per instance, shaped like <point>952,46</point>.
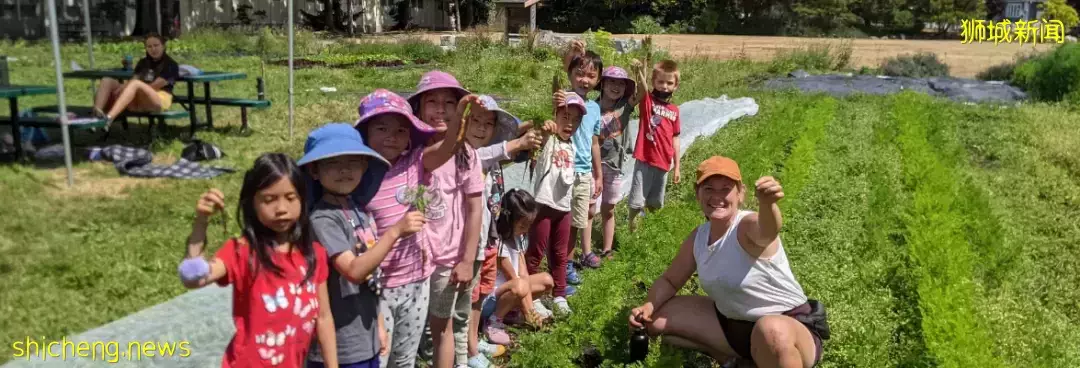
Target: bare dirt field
<point>964,60</point>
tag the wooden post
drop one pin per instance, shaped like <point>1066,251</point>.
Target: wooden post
<point>350,17</point>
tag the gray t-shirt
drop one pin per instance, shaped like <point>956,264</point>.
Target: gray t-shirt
<point>613,139</point>
<point>355,307</point>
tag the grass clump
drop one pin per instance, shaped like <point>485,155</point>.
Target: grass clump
<point>921,65</point>
<point>1053,76</point>
<point>813,58</point>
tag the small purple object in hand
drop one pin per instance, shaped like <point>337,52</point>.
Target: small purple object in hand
<point>193,269</point>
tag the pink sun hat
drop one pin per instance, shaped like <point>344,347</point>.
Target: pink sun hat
<point>382,101</point>
<point>433,80</point>
<point>614,72</point>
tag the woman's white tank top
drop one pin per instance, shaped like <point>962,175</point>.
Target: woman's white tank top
<point>744,287</point>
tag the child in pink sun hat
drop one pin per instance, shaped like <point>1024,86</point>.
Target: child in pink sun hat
<point>454,215</point>
<point>388,126</point>
<point>618,96</point>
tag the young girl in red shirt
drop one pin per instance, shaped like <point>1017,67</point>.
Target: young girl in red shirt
<point>277,271</point>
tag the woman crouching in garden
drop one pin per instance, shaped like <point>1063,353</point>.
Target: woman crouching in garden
<point>755,309</point>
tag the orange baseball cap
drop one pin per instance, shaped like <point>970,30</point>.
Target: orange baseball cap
<point>718,165</point>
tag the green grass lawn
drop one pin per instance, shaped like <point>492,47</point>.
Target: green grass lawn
<point>937,234</point>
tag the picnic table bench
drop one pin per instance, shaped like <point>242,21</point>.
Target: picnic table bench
<point>12,93</point>
<point>189,101</point>
<point>242,103</point>
<point>152,117</point>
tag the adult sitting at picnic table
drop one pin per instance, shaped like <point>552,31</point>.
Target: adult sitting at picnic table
<point>755,309</point>
<point>149,90</point>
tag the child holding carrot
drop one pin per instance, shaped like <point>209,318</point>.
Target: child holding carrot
<point>618,96</point>
<point>454,216</point>
<point>278,274</point>
<point>343,173</point>
<point>550,234</point>
<point>583,68</point>
<point>492,131</point>
<point>388,125</point>
<point>657,148</point>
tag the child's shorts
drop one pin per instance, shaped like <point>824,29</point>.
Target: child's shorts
<point>648,186</point>
<point>487,274</point>
<point>487,309</point>
<point>613,182</point>
<point>582,197</point>
<point>446,298</point>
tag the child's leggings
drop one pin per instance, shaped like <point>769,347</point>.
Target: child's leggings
<point>550,236</point>
<point>404,310</point>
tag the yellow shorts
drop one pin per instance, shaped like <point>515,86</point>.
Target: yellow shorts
<point>166,99</point>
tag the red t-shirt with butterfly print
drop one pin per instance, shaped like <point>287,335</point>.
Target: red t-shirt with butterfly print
<point>274,315</point>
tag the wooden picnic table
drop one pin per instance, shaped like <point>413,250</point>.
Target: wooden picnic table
<point>12,93</point>
<point>205,78</point>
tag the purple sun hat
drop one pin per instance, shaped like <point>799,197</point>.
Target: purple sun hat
<point>382,101</point>
<point>574,99</point>
<point>433,80</point>
<point>614,72</point>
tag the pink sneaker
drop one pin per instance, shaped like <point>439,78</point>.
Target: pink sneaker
<point>496,332</point>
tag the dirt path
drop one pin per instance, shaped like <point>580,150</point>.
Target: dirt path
<point>963,60</point>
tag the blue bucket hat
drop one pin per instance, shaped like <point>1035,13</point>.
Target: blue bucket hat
<point>340,139</point>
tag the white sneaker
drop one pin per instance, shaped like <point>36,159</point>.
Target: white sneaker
<point>541,309</point>
<point>479,361</point>
<point>562,306</point>
<point>490,349</point>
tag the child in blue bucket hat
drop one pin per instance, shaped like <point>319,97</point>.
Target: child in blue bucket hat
<point>344,175</point>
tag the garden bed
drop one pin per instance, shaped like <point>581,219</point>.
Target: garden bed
<point>350,61</point>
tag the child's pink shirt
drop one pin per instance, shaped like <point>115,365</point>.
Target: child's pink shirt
<point>446,214</point>
<point>405,263</point>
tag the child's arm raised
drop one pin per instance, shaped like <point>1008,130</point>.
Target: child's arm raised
<point>324,327</point>
<point>575,48</point>
<point>357,268</point>
<point>638,71</point>
<point>437,154</point>
<point>195,271</point>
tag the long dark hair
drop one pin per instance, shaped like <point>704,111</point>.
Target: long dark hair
<point>516,204</point>
<point>157,66</point>
<point>269,168</point>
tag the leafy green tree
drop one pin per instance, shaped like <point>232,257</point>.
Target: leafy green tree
<point>1059,10</point>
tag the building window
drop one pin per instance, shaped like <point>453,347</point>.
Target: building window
<point>1015,11</point>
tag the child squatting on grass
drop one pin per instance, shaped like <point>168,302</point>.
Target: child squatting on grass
<point>754,308</point>
<point>583,68</point>
<point>515,288</point>
<point>277,271</point>
<point>454,215</point>
<point>388,125</point>
<point>492,131</point>
<point>657,145</point>
<point>344,172</point>
<point>618,96</point>
<point>550,234</point>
